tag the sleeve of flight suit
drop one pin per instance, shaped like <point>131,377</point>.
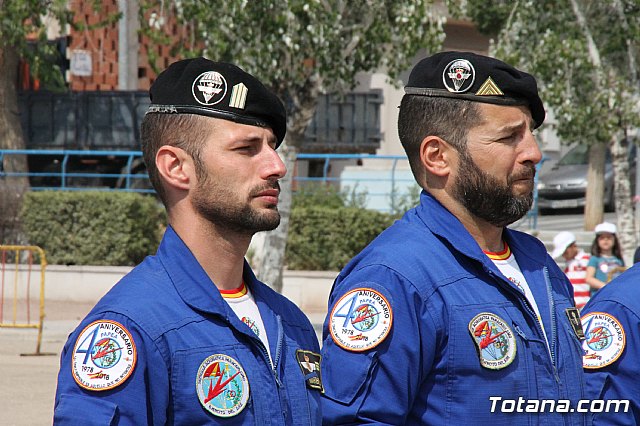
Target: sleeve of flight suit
<point>377,385</point>
<point>619,379</point>
<point>138,398</point>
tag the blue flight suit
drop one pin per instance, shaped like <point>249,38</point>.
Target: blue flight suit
<point>427,370</point>
<point>177,319</point>
<point>619,379</point>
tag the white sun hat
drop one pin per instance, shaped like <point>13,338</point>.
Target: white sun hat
<point>560,243</point>
<point>606,227</point>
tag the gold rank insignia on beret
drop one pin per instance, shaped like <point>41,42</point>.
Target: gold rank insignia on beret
<point>489,88</point>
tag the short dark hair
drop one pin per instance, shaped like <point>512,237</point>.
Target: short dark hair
<point>421,116</point>
<point>185,131</point>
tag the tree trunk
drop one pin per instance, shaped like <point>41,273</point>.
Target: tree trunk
<point>12,189</point>
<point>10,129</point>
<point>622,195</point>
<point>594,208</point>
<point>270,259</point>
<point>301,105</point>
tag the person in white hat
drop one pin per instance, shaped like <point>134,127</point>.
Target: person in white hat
<point>605,256</point>
<point>564,246</point>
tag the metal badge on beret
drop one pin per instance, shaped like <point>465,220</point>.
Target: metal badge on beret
<point>220,90</point>
<point>465,75</point>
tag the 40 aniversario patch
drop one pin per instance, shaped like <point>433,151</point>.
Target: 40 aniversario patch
<point>604,339</point>
<point>104,356</point>
<point>360,320</point>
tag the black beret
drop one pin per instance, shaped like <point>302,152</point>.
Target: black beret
<point>465,75</point>
<point>217,89</point>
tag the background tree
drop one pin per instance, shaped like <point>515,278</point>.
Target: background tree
<point>300,48</point>
<point>23,36</point>
<point>585,56</point>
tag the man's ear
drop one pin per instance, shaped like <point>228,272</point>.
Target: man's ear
<point>175,166</point>
<point>436,156</point>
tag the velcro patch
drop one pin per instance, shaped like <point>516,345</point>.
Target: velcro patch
<point>604,340</point>
<point>495,342</point>
<point>310,364</point>
<point>222,386</point>
<point>360,320</point>
<point>104,356</point>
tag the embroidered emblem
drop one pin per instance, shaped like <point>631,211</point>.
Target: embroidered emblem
<point>517,284</point>
<point>309,363</point>
<point>574,320</point>
<point>252,325</point>
<point>104,356</point>
<point>209,88</point>
<point>604,340</point>
<point>222,386</point>
<point>458,76</point>
<point>360,320</point>
<point>494,340</point>
<point>238,96</point>
<point>489,88</point>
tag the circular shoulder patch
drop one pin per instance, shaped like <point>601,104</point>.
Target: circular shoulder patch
<point>360,320</point>
<point>604,340</point>
<point>494,339</point>
<point>222,386</point>
<point>104,356</point>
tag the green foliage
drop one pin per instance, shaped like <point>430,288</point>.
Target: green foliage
<point>406,200</point>
<point>587,68</point>
<point>329,196</point>
<point>300,47</point>
<point>93,228</point>
<point>24,25</point>
<point>326,238</point>
<point>317,195</point>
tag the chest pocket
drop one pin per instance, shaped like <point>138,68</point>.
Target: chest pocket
<point>489,353</point>
<point>213,385</point>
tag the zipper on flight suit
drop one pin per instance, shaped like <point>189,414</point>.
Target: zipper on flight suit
<point>276,360</point>
<point>554,325</point>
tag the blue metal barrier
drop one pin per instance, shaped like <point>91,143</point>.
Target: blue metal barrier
<point>65,175</point>
<point>382,186</point>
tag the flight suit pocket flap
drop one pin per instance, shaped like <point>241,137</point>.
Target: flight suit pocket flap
<point>347,376</point>
<point>79,409</point>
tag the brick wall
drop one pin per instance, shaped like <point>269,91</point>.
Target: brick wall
<point>103,45</point>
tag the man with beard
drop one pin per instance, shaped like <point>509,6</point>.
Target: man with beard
<point>190,336</point>
<point>448,317</point>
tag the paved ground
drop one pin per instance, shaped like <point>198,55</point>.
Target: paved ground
<point>29,382</point>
